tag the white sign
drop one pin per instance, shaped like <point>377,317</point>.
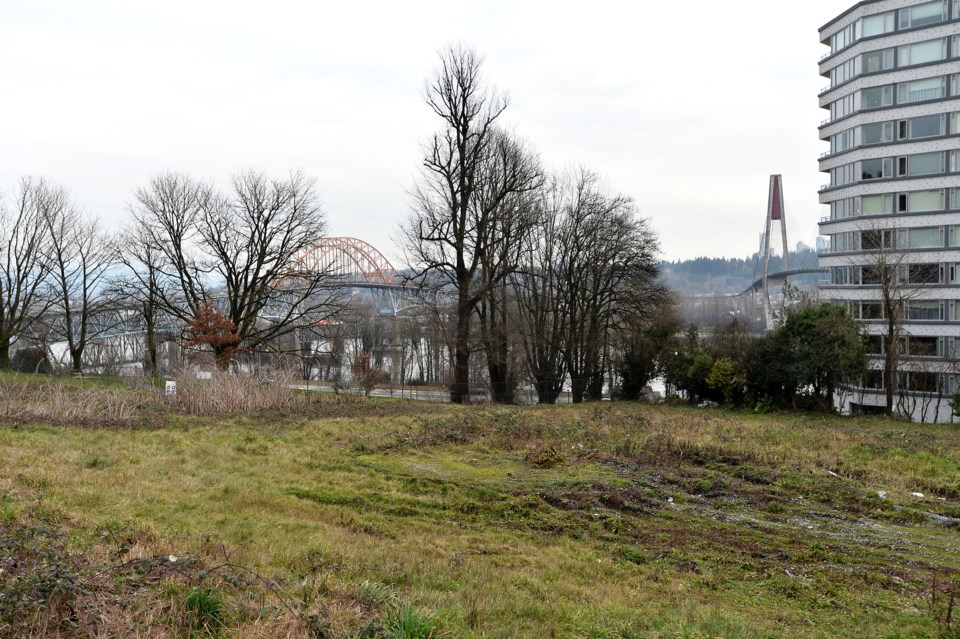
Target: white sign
<point>171,389</point>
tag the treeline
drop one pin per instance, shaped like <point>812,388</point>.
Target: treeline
<point>817,350</point>
<point>525,275</point>
<point>548,274</point>
<point>705,275</point>
<point>218,267</point>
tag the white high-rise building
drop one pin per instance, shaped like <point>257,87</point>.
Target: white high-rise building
<point>893,195</point>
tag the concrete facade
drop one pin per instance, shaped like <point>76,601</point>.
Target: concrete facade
<point>893,192</point>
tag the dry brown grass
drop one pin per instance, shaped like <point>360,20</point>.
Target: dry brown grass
<point>62,401</point>
<point>234,393</point>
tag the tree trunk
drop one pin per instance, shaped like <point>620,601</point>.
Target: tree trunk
<point>76,357</point>
<point>595,386</point>
<point>460,388</point>
<point>5,352</point>
<point>889,361</point>
<point>151,362</point>
<point>222,357</point>
<point>578,385</point>
<point>501,383</point>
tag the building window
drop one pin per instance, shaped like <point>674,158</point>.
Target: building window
<point>871,311</point>
<point>844,106</point>
<point>953,235</point>
<point>844,174</point>
<point>922,127</point>
<point>874,25</point>
<point>876,204</point>
<point>923,382</point>
<point>952,273</point>
<point>876,61</point>
<point>846,71</point>
<point>875,169</point>
<point>923,273</point>
<point>876,97</point>
<point>874,240</point>
<point>921,53</point>
<point>920,15</point>
<point>842,141</point>
<point>924,347</point>
<point>920,201</point>
<point>842,39</point>
<point>925,310</point>
<point>920,238</point>
<point>876,133</point>
<point>920,164</point>
<point>843,209</point>
<point>920,90</point>
<point>844,275</point>
<point>953,314</point>
<point>844,242</point>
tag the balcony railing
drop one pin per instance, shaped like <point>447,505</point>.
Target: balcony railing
<point>926,94</point>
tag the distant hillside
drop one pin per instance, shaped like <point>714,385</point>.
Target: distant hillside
<point>732,275</point>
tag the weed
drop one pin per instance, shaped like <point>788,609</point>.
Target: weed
<point>40,580</point>
<point>205,611</point>
<point>544,457</point>
<point>634,556</point>
<point>407,622</point>
<point>377,594</point>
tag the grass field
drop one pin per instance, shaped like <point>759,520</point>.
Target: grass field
<point>336,518</point>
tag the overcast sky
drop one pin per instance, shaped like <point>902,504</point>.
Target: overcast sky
<point>688,107</point>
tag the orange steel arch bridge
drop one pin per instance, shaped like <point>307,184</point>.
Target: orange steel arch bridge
<point>349,262</point>
<point>346,263</point>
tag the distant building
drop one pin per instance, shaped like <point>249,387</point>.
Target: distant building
<point>894,190</point>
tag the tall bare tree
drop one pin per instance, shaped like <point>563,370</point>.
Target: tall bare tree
<point>141,286</point>
<point>448,232</point>
<point>513,220</point>
<point>537,288</point>
<point>238,251</point>
<point>24,262</point>
<point>607,260</point>
<point>80,255</point>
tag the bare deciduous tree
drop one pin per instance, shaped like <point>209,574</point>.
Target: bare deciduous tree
<point>237,251</point>
<point>24,255</point>
<point>460,193</point>
<point>884,266</point>
<point>607,261</point>
<point>513,220</point>
<point>80,255</point>
<point>142,286</point>
<point>542,320</point>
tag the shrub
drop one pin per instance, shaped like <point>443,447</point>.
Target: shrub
<point>39,578</point>
<point>63,401</point>
<point>226,392</point>
<point>31,360</point>
<point>728,378</point>
<point>365,377</point>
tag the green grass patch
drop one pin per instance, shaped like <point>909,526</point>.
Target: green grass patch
<point>413,520</point>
